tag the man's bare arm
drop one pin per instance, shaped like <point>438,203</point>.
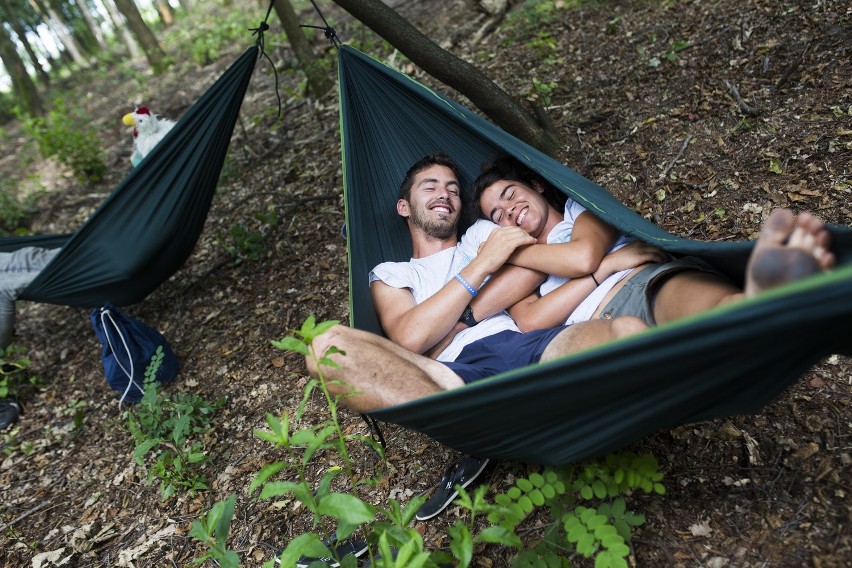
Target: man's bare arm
<point>419,327</point>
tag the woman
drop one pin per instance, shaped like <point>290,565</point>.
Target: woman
<point>572,243</point>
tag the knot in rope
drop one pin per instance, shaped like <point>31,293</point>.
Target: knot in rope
<point>263,27</point>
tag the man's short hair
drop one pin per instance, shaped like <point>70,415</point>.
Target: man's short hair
<point>436,159</point>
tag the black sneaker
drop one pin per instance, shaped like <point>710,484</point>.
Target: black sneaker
<point>354,546</point>
<point>9,412</point>
<point>463,473</point>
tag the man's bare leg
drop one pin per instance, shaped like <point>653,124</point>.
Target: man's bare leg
<point>788,249</point>
<point>591,333</point>
<point>382,372</point>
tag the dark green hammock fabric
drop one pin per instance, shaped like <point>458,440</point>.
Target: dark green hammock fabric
<point>146,229</point>
<point>729,361</point>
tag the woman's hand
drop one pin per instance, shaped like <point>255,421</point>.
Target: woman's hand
<point>629,256</point>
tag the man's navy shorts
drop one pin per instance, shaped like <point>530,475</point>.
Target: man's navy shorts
<point>502,352</point>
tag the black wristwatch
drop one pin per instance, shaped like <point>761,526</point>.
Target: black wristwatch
<point>467,317</point>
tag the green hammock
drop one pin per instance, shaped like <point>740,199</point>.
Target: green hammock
<point>146,229</point>
<point>729,361</point>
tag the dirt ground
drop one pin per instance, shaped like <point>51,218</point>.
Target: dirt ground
<point>701,116</point>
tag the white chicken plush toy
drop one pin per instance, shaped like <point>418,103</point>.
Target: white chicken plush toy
<point>148,130</point>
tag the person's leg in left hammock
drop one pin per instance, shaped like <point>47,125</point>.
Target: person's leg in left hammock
<point>17,270</point>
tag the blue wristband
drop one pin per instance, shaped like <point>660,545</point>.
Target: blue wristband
<point>466,285</point>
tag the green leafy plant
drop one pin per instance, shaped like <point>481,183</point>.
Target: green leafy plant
<point>66,135</point>
<point>168,427</point>
<point>587,503</point>
<point>212,530</point>
<point>15,213</point>
<point>541,92</point>
<point>249,244</point>
<point>14,365</point>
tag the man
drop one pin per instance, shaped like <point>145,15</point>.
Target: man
<point>17,270</point>
<point>420,304</point>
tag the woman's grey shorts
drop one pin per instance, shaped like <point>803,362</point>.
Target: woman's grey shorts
<point>636,297</point>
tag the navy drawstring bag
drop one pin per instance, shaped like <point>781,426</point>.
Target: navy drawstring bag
<point>128,347</point>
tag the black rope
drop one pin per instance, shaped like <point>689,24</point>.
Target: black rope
<point>375,431</point>
<point>261,43</point>
<point>329,32</point>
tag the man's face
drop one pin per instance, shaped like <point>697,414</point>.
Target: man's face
<point>435,202</point>
<point>514,204</point>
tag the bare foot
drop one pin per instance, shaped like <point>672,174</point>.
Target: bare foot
<point>787,249</point>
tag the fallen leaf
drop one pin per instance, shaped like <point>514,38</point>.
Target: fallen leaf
<point>701,529</point>
<point>52,558</point>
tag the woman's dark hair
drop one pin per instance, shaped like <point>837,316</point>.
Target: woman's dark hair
<point>511,169</point>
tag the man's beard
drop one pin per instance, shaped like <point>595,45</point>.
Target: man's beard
<point>440,229</point>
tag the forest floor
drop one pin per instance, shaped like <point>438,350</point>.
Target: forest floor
<point>644,95</point>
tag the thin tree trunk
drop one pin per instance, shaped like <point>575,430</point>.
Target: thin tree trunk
<point>165,12</point>
<point>92,23</point>
<point>455,72</point>
<point>319,80</point>
<point>22,37</point>
<point>120,28</point>
<point>51,20</point>
<point>153,51</point>
<point>80,33</point>
<point>25,89</point>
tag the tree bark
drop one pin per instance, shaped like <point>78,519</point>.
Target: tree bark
<point>455,72</point>
<point>319,80</point>
<point>25,89</point>
<point>144,35</point>
<point>51,20</point>
<point>77,29</point>
<point>92,23</point>
<point>165,12</point>
<point>120,28</point>
<point>19,30</point>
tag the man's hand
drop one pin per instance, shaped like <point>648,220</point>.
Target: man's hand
<point>500,245</point>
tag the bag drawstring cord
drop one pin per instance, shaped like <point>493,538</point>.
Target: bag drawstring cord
<point>107,314</point>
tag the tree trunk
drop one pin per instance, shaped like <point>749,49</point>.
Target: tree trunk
<point>165,12</point>
<point>92,23</point>
<point>51,20</point>
<point>455,72</point>
<point>120,28</point>
<point>19,30</point>
<point>25,89</point>
<point>186,5</point>
<point>319,80</point>
<point>77,29</point>
<point>153,51</point>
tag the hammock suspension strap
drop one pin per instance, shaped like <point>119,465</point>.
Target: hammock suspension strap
<point>329,32</point>
<point>258,31</point>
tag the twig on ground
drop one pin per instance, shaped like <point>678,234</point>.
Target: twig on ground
<point>26,514</point>
<point>744,106</point>
<point>792,68</point>
<point>676,158</point>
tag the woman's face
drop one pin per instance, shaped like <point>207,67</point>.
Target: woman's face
<point>514,204</point>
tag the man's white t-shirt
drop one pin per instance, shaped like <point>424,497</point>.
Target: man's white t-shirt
<point>426,276</point>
